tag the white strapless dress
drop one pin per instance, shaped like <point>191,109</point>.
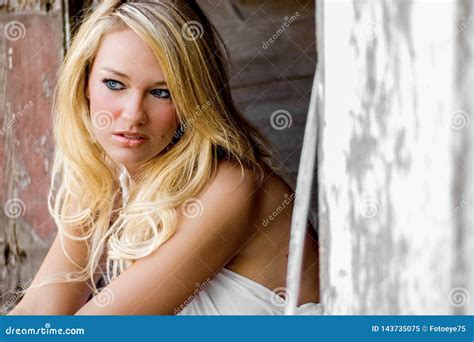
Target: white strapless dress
<point>230,293</point>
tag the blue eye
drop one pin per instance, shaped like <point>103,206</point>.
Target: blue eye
<point>113,84</point>
<point>161,93</point>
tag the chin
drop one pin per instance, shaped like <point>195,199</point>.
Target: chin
<point>127,158</point>
<point>131,158</point>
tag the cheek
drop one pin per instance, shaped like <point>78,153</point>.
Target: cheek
<point>164,119</point>
<point>104,107</point>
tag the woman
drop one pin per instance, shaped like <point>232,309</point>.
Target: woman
<point>160,187</point>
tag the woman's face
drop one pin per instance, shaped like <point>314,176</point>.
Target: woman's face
<point>132,113</point>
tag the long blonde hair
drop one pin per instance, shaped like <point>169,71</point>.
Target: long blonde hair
<point>85,185</point>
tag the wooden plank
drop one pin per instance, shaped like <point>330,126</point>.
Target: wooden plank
<point>273,53</point>
<point>462,191</point>
<point>389,178</point>
<point>31,48</point>
<point>30,6</point>
<point>267,40</point>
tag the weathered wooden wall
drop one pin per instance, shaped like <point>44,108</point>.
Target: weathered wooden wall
<point>273,51</point>
<point>31,48</point>
<point>395,156</point>
<point>462,146</point>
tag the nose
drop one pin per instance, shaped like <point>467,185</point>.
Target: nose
<point>134,112</point>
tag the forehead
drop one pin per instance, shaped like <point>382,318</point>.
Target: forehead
<point>123,50</point>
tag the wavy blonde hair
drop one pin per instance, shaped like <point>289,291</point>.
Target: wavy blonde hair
<point>84,183</point>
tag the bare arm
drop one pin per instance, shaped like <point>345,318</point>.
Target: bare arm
<point>201,246</point>
<point>58,298</point>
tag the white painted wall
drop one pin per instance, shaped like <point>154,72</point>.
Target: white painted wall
<point>395,156</point>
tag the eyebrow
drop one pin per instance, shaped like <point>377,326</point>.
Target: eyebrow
<point>118,73</point>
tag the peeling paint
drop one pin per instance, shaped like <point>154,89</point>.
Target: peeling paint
<point>47,91</point>
<point>29,6</point>
<point>463,158</point>
<point>384,160</point>
<point>23,179</point>
<point>26,146</point>
<point>10,58</point>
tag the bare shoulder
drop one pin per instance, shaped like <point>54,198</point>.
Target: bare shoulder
<point>227,205</point>
<point>264,257</point>
<point>208,234</point>
<point>231,176</point>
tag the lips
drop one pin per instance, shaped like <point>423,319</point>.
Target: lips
<point>130,139</point>
<point>131,135</point>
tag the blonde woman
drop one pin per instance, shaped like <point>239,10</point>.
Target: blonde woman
<point>160,187</point>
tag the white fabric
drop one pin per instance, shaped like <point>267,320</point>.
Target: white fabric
<point>230,293</point>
